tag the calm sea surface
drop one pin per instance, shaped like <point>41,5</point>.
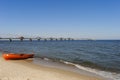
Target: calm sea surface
<point>100,54</point>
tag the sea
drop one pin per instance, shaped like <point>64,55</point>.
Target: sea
<point>101,57</point>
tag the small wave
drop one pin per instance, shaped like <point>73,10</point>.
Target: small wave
<point>110,75</point>
<point>46,59</point>
<point>106,74</point>
<point>113,76</point>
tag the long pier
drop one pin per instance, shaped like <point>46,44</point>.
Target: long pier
<point>38,39</point>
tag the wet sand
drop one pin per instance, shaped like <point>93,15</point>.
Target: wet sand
<point>25,70</point>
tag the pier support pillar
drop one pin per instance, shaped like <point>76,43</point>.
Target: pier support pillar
<point>45,39</point>
<point>21,38</point>
<point>10,40</point>
<point>56,39</point>
<point>39,39</point>
<point>30,39</point>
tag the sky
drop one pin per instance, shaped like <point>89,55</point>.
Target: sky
<point>96,19</point>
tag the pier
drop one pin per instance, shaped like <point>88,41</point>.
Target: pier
<point>38,39</point>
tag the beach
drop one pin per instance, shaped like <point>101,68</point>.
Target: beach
<point>25,70</point>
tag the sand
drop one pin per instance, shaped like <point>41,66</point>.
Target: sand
<point>24,70</point>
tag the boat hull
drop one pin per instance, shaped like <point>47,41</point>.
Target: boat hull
<point>13,56</point>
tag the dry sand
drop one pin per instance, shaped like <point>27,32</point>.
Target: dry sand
<point>24,70</point>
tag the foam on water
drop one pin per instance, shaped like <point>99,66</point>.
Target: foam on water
<point>110,75</point>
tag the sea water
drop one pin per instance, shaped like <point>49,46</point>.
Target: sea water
<point>99,56</point>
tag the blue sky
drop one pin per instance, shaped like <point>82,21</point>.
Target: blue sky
<point>97,19</point>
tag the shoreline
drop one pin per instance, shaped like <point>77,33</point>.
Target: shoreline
<point>65,66</point>
<point>26,70</point>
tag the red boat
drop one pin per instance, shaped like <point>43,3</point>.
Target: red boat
<point>13,56</point>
